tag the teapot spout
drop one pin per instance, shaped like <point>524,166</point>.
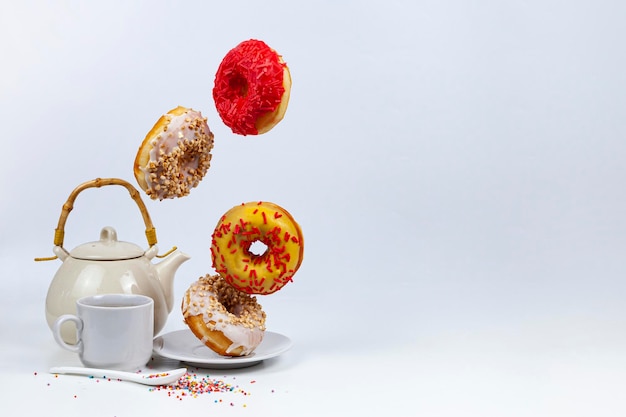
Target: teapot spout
<point>166,269</point>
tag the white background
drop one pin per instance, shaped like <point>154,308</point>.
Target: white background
<point>457,168</point>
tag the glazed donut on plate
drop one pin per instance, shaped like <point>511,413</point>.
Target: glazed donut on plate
<point>175,155</point>
<point>252,87</point>
<point>229,322</point>
<point>266,225</point>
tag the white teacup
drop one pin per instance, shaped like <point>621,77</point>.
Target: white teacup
<point>113,331</point>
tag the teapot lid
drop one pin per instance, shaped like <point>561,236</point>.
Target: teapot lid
<point>108,248</point>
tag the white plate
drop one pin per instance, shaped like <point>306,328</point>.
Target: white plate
<point>184,346</point>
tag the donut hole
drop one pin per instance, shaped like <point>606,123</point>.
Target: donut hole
<point>239,84</point>
<point>229,300</point>
<point>234,308</point>
<point>257,248</point>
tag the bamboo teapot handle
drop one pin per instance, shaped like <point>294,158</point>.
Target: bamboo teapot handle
<point>59,232</point>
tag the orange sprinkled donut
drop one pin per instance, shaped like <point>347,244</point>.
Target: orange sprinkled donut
<point>262,224</point>
<point>252,87</point>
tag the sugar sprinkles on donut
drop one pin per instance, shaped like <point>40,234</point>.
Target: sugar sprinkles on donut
<point>175,155</point>
<point>252,88</point>
<point>244,225</point>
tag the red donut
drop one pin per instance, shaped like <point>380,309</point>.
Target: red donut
<point>252,87</point>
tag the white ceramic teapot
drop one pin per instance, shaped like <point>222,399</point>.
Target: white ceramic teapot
<point>110,266</point>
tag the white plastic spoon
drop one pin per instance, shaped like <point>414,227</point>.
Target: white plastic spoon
<point>157,378</point>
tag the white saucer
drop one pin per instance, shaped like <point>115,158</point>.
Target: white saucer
<point>184,346</point>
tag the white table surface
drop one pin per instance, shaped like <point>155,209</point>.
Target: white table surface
<point>403,350</point>
<point>457,169</point>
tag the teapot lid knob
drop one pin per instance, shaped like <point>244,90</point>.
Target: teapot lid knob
<point>108,248</point>
<point>108,234</point>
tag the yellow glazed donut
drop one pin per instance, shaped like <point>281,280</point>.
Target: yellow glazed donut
<point>229,322</point>
<point>248,224</point>
<point>175,155</point>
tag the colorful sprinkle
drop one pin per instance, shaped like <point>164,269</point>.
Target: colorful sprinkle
<point>150,376</point>
<point>193,385</point>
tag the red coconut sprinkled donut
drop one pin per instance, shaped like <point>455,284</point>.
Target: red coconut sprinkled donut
<point>252,87</point>
<point>264,224</point>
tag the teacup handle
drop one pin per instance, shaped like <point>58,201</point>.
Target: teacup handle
<point>56,332</point>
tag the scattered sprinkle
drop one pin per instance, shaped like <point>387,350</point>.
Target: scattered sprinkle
<point>194,385</point>
<point>150,376</point>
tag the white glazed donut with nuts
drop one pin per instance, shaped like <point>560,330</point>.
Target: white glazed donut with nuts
<point>175,155</point>
<point>228,321</point>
